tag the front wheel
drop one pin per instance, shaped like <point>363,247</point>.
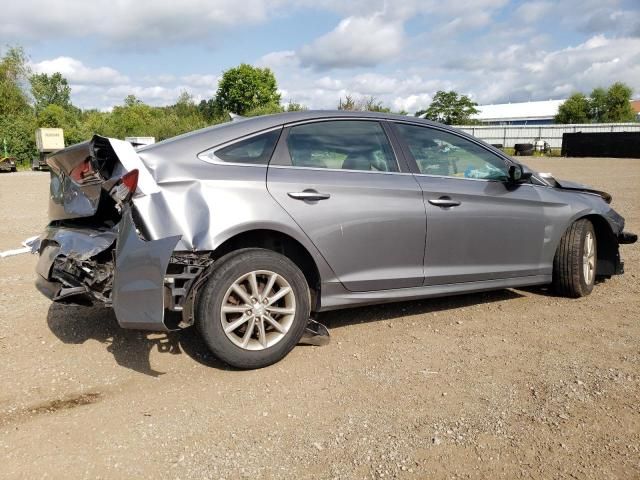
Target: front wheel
<point>574,265</point>
<point>253,308</point>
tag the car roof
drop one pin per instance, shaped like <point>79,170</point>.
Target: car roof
<point>205,138</point>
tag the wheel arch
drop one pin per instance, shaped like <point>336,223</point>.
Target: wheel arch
<point>606,245</point>
<point>282,243</point>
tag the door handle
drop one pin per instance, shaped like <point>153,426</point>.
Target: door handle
<point>444,202</point>
<point>309,195</point>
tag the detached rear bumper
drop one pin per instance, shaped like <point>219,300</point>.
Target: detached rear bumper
<point>82,266</point>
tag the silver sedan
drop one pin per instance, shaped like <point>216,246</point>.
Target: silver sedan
<point>248,228</point>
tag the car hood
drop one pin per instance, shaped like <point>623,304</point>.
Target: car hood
<point>579,187</point>
<point>572,186</point>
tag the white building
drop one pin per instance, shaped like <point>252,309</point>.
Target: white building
<point>524,113</point>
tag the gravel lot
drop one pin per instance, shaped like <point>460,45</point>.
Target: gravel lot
<point>507,384</point>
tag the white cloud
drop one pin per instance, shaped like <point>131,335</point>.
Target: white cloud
<point>142,24</point>
<point>605,19</point>
<point>533,11</point>
<point>464,23</point>
<point>329,83</point>
<point>400,52</point>
<point>202,81</point>
<point>77,72</point>
<point>102,87</point>
<point>355,42</point>
<point>285,58</point>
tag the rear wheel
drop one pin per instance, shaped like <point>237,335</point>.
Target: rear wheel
<point>574,265</point>
<point>254,308</point>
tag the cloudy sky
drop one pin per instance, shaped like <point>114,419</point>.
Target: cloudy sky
<point>399,51</point>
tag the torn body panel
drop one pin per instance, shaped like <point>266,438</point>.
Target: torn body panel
<point>138,282</point>
<point>114,267</point>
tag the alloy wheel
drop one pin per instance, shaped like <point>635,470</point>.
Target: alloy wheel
<point>258,310</point>
<point>589,258</point>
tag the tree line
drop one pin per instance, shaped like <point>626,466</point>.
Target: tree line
<point>32,100</point>
<point>610,105</point>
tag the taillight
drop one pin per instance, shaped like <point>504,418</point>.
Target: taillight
<point>126,187</point>
<point>130,180</point>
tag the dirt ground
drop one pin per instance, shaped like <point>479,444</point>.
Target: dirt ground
<point>508,384</point>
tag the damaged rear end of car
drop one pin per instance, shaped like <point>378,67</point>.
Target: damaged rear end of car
<point>95,250</point>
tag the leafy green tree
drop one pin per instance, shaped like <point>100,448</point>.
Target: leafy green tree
<point>69,119</point>
<point>13,74</point>
<point>295,107</point>
<point>268,109</point>
<point>618,103</point>
<point>17,121</point>
<point>131,100</point>
<point>603,106</point>
<point>451,108</point>
<point>209,109</point>
<point>185,105</point>
<point>598,105</point>
<point>245,88</point>
<point>19,132</point>
<point>54,116</point>
<point>90,123</point>
<point>574,110</point>
<point>372,104</point>
<point>363,104</point>
<point>133,119</point>
<point>349,103</point>
<point>50,90</point>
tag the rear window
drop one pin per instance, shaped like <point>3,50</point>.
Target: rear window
<point>256,150</point>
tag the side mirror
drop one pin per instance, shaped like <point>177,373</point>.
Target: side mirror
<point>517,174</point>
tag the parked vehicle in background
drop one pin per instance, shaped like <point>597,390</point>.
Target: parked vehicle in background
<point>48,141</point>
<point>246,229</point>
<point>8,164</point>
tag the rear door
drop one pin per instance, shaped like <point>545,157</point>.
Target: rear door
<point>341,182</point>
<point>478,226</point>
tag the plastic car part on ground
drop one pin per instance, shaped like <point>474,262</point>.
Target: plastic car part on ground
<point>315,334</point>
<point>27,246</point>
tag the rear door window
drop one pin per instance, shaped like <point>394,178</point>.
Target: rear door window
<point>342,145</point>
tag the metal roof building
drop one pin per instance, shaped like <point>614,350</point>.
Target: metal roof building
<point>524,113</point>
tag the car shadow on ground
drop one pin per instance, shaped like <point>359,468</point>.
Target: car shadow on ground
<point>132,348</point>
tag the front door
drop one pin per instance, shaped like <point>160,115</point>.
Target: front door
<point>478,226</point>
<point>341,183</point>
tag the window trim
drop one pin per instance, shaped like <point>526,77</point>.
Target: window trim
<point>282,157</point>
<point>413,164</point>
<point>209,155</point>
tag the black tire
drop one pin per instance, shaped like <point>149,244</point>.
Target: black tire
<point>568,272</point>
<point>523,149</point>
<point>208,316</point>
